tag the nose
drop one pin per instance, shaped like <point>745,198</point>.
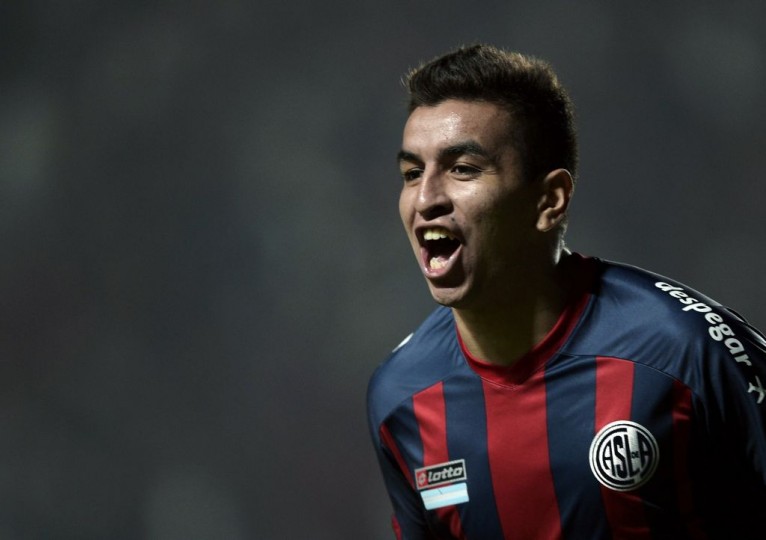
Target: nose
<point>432,198</point>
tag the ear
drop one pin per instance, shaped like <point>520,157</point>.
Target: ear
<point>557,190</point>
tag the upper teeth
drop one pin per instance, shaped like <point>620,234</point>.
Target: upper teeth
<point>438,234</point>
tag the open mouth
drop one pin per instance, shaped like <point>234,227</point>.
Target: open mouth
<point>439,245</point>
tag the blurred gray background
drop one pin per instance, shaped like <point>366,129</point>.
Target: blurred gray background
<point>202,261</point>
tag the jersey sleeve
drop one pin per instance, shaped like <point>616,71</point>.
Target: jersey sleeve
<point>408,519</point>
<point>733,405</point>
<point>722,359</point>
<point>744,404</point>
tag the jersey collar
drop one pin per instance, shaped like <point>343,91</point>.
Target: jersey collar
<point>517,373</point>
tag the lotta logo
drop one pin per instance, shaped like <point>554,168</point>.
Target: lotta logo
<point>422,479</point>
<point>624,455</point>
<point>441,474</point>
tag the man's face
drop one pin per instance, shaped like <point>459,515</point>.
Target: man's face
<point>468,213</point>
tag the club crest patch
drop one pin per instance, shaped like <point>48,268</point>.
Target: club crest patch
<point>624,455</point>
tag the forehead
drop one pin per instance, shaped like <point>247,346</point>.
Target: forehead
<point>453,121</point>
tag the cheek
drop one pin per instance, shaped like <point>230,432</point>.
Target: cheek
<point>484,214</point>
<point>516,209</point>
<point>405,207</point>
<point>498,222</point>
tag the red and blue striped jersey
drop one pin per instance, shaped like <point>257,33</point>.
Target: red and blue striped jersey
<point>642,414</point>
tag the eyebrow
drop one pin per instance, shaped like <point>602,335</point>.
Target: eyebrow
<point>471,148</point>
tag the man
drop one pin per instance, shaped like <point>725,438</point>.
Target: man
<point>551,395</point>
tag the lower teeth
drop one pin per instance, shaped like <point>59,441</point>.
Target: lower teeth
<point>437,263</point>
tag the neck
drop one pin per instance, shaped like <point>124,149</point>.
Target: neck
<point>518,319</point>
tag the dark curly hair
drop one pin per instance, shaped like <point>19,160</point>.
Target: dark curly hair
<point>542,127</point>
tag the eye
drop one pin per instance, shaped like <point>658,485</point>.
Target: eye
<point>465,171</point>
<point>412,174</point>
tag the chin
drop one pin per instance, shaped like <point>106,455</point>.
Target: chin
<point>449,297</point>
